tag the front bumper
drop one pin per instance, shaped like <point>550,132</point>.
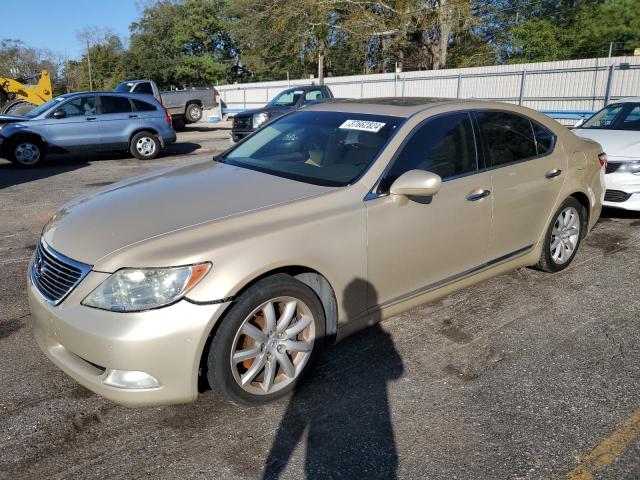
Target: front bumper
<point>628,183</point>
<point>87,344</point>
<point>237,135</point>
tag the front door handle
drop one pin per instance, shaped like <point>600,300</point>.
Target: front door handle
<point>478,194</point>
<point>90,119</point>
<point>133,116</point>
<point>553,173</point>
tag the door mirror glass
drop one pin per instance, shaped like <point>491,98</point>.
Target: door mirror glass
<point>59,114</point>
<point>418,183</point>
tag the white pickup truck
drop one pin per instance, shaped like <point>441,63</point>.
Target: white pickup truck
<point>185,106</point>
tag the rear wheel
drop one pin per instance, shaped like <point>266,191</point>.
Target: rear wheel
<point>145,146</point>
<point>26,152</point>
<point>267,341</point>
<point>193,113</point>
<point>563,236</point>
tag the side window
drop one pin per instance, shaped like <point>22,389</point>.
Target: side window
<point>312,96</point>
<point>509,137</point>
<point>545,139</point>
<point>141,106</point>
<point>144,87</point>
<point>631,120</point>
<point>444,145</point>
<point>115,105</point>
<point>83,106</point>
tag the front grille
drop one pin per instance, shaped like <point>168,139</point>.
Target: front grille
<point>612,167</point>
<point>242,122</point>
<point>55,275</point>
<point>616,196</point>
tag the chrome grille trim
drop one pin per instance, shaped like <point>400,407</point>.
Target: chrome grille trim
<point>55,275</point>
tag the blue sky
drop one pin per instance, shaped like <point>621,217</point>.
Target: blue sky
<point>53,24</point>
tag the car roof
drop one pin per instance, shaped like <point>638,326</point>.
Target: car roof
<point>394,106</point>
<point>136,95</point>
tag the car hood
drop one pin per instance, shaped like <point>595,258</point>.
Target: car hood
<point>616,143</point>
<point>12,118</point>
<point>129,212</point>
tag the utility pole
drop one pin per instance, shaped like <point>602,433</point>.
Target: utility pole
<point>89,62</point>
<point>611,48</point>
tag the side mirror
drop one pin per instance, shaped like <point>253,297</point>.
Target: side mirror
<point>579,123</point>
<point>416,183</point>
<point>58,114</point>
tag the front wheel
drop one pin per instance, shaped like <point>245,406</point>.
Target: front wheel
<point>26,153</point>
<point>267,341</point>
<point>145,146</point>
<point>563,236</point>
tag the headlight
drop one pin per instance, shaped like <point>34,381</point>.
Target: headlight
<point>630,167</point>
<point>133,290</point>
<point>259,119</point>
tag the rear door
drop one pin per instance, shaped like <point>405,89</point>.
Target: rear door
<point>79,130</point>
<point>527,175</point>
<point>147,114</point>
<point>117,121</point>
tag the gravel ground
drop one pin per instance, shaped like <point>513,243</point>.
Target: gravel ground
<point>519,377</point>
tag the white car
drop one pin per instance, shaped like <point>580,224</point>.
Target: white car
<point>617,128</point>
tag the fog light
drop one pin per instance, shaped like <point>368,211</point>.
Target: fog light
<point>130,379</point>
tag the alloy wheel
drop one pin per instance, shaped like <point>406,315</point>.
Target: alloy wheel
<point>273,345</point>
<point>565,235</point>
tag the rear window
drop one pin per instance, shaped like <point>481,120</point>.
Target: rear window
<point>141,106</point>
<point>545,139</point>
<point>508,136</point>
<point>115,105</point>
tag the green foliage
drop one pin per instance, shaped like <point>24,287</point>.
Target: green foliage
<point>197,42</point>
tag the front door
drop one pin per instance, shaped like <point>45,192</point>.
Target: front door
<point>417,244</point>
<point>79,129</point>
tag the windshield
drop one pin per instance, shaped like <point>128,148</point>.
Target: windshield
<point>323,148</point>
<point>288,98</point>
<point>123,87</point>
<point>618,116</point>
<point>45,106</point>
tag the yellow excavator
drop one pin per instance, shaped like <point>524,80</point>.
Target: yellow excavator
<point>18,98</point>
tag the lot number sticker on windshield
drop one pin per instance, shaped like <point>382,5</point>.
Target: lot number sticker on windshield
<point>364,125</point>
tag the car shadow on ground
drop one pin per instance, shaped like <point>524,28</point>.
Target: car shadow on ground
<point>344,410</point>
<point>11,175</point>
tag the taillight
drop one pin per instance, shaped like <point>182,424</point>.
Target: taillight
<point>167,115</point>
<point>603,159</point>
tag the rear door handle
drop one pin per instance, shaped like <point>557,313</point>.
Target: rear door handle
<point>553,173</point>
<point>133,116</point>
<point>90,119</point>
<point>478,195</point>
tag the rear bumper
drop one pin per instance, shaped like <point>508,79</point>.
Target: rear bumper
<point>88,344</point>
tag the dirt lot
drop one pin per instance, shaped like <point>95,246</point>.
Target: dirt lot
<point>526,376</point>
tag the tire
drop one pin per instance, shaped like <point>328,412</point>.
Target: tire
<point>193,113</point>
<point>244,333</point>
<point>563,237</point>
<point>18,107</point>
<point>145,146</point>
<point>26,152</point>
